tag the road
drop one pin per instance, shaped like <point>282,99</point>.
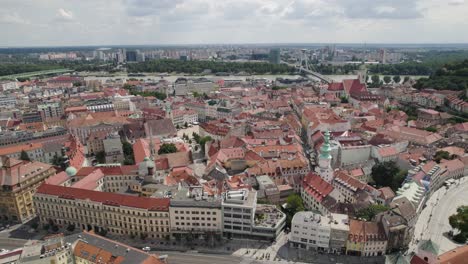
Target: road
<point>11,243</point>
<point>433,220</point>
<point>197,258</point>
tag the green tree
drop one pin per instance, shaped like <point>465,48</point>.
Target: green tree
<point>55,228</point>
<point>387,79</point>
<point>128,153</point>
<point>439,155</point>
<point>56,160</point>
<point>185,124</point>
<point>102,232</point>
<point>406,79</point>
<point>71,228</point>
<point>101,157</point>
<point>203,141</point>
<point>294,204</point>
<point>375,80</point>
<point>344,100</point>
<point>459,221</point>
<point>385,174</point>
<point>167,148</point>
<point>24,156</point>
<point>396,79</point>
<point>371,211</point>
<point>431,129</point>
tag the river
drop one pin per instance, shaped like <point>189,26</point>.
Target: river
<point>172,78</point>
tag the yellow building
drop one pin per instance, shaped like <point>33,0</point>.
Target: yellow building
<point>20,180</point>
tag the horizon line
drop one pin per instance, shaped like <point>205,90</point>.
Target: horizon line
<point>240,44</point>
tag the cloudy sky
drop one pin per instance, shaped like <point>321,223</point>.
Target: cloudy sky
<point>106,22</point>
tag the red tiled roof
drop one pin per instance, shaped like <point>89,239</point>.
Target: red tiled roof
<point>354,86</point>
<point>335,87</point>
<point>455,256</point>
<point>114,199</point>
<point>317,187</point>
<point>58,178</point>
<point>361,231</point>
<point>16,149</point>
<point>111,170</point>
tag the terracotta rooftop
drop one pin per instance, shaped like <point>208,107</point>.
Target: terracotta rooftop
<point>111,199</point>
<point>458,255</point>
<point>317,187</point>
<point>18,148</point>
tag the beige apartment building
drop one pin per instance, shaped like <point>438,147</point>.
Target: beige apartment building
<point>196,213</point>
<point>19,180</point>
<point>117,214</point>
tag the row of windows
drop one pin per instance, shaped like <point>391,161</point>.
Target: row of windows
<point>78,204</point>
<point>195,218</point>
<point>194,224</point>
<point>194,212</point>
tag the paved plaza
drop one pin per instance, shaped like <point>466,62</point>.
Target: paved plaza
<point>433,221</point>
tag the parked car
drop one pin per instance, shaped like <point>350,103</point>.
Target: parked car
<point>146,249</point>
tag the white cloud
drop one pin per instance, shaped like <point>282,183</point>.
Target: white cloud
<point>65,15</point>
<point>105,22</point>
<point>13,19</point>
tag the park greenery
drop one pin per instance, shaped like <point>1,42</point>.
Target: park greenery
<point>201,140</point>
<point>132,89</point>
<point>459,221</point>
<point>441,154</point>
<point>387,174</point>
<point>371,211</point>
<point>453,76</point>
<point>15,68</point>
<point>167,148</point>
<point>199,66</point>
<point>336,69</point>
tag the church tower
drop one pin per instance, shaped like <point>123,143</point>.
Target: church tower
<point>324,168</point>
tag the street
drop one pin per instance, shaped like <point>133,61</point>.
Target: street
<point>433,221</point>
<point>175,257</point>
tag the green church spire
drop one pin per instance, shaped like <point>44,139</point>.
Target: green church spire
<point>325,149</point>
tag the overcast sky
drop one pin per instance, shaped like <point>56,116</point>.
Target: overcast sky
<point>115,22</point>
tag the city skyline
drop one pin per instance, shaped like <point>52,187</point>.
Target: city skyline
<point>182,22</point>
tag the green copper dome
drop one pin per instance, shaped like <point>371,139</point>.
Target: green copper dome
<point>71,171</point>
<point>325,149</point>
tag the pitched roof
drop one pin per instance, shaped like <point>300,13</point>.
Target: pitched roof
<point>317,187</point>
<point>335,86</point>
<point>160,127</point>
<point>354,86</point>
<point>15,171</point>
<point>458,255</point>
<point>361,231</point>
<point>112,199</point>
<point>18,148</point>
<point>105,247</point>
